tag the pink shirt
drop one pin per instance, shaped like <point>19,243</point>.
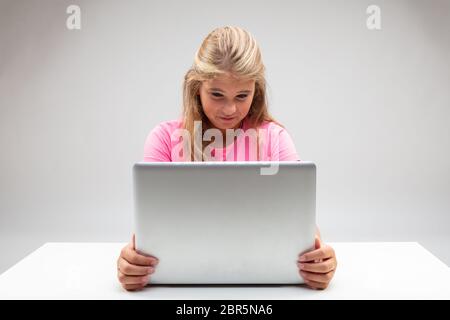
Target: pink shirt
<point>163,144</point>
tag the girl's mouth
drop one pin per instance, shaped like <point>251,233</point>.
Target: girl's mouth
<point>227,119</point>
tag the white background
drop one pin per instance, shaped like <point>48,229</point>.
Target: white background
<point>370,108</point>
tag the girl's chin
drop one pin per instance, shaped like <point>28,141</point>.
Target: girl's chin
<point>227,124</point>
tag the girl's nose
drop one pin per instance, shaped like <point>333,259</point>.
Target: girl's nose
<point>229,109</point>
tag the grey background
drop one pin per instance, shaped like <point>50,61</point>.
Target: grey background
<point>370,108</point>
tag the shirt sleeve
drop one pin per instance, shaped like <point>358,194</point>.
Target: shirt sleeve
<point>157,145</point>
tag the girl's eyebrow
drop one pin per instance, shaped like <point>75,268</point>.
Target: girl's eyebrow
<point>218,89</point>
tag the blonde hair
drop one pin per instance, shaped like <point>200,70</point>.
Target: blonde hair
<point>225,50</point>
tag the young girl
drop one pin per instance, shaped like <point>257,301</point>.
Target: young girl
<point>225,91</point>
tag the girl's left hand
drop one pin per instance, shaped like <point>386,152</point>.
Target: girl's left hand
<point>317,267</point>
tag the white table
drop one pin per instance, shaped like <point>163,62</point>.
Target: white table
<point>386,270</point>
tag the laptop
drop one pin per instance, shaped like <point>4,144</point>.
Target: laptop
<point>224,222</point>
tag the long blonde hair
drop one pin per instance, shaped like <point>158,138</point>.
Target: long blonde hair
<point>225,50</point>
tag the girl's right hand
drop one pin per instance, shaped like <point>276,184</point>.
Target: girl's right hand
<point>133,268</point>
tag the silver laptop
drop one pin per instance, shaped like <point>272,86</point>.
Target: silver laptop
<point>225,222</point>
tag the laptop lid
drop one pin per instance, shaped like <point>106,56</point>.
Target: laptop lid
<point>225,222</point>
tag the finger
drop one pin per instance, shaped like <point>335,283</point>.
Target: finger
<point>124,279</point>
<point>133,287</point>
<point>138,259</point>
<point>316,285</point>
<point>317,277</point>
<point>317,267</point>
<point>324,252</point>
<point>132,246</point>
<point>133,270</point>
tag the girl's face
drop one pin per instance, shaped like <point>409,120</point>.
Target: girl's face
<point>226,100</point>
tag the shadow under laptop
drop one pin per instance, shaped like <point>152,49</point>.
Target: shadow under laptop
<point>228,285</point>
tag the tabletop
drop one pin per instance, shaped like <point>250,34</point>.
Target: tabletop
<point>366,270</point>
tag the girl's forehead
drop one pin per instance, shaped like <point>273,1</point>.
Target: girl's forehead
<point>229,82</point>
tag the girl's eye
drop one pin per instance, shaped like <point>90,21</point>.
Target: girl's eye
<point>219,95</point>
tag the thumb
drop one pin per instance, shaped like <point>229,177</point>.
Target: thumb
<point>317,243</point>
<point>133,242</point>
